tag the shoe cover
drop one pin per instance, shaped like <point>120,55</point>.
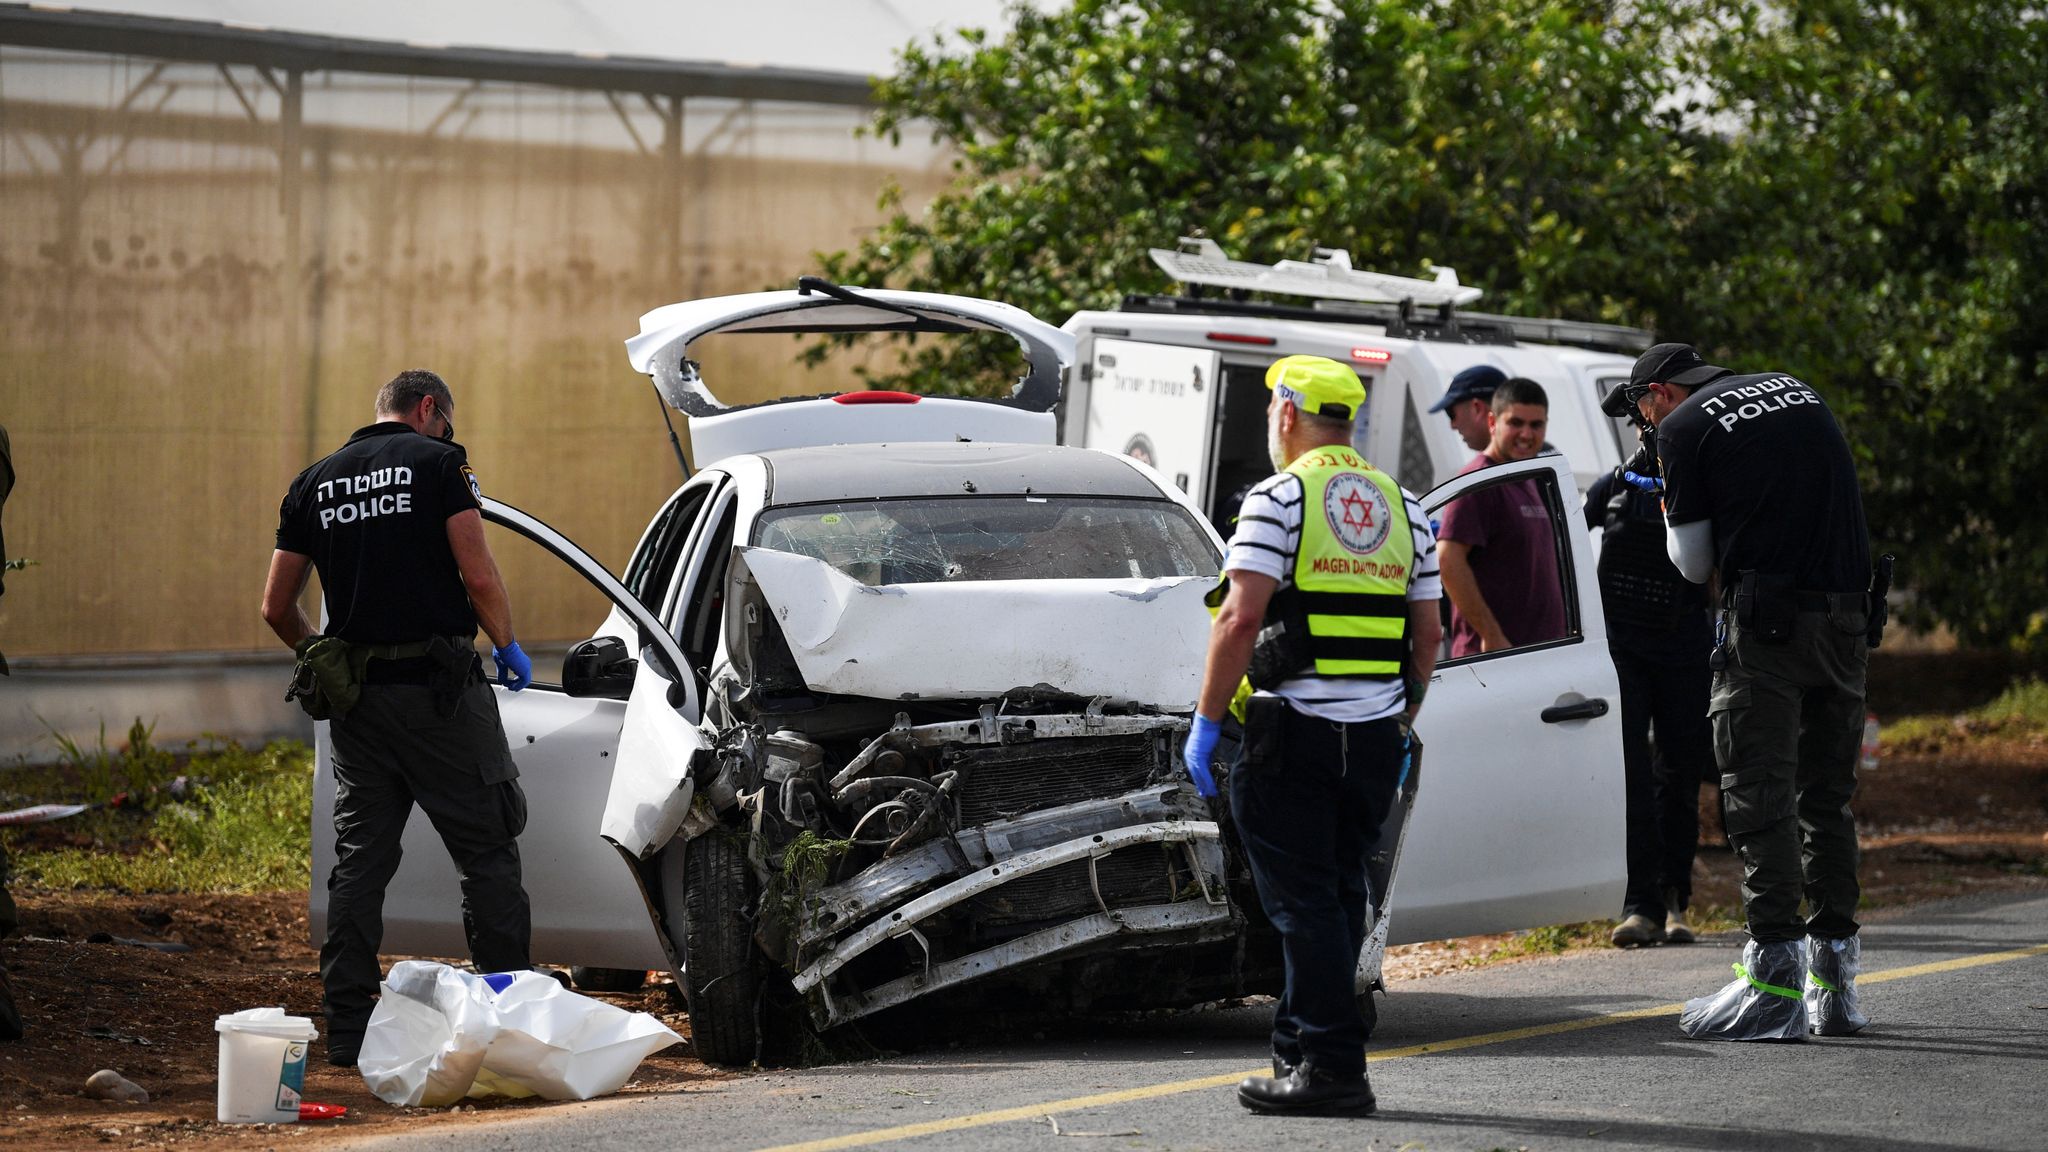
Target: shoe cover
<point>1831,1008</point>
<point>1762,1003</point>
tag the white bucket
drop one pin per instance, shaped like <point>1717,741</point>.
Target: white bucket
<point>262,1066</point>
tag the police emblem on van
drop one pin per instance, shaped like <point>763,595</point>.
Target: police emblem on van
<point>1358,513</point>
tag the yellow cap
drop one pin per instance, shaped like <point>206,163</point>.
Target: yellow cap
<point>1318,385</point>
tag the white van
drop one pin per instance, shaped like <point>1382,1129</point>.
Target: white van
<point>1179,381</point>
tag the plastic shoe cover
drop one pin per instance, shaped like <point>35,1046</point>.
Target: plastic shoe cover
<point>1831,1008</point>
<point>1762,1003</point>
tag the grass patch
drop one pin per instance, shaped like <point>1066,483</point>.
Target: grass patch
<point>1557,939</point>
<point>2020,711</point>
<point>242,823</point>
<point>1552,940</point>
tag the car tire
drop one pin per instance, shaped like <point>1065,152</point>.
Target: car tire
<point>721,971</point>
<point>607,979</point>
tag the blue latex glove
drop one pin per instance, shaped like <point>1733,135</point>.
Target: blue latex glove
<point>515,671</point>
<point>1646,483</point>
<point>1201,748</point>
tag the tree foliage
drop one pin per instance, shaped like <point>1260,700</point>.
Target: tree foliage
<point>1856,193</point>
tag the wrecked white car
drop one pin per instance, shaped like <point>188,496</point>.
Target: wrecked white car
<point>889,708</point>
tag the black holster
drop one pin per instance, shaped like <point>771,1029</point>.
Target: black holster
<point>456,666</point>
<point>1765,606</point>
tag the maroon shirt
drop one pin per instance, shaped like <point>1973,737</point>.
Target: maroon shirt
<point>1514,558</point>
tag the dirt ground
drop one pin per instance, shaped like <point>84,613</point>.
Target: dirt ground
<point>1936,823</point>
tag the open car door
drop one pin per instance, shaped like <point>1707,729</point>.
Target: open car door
<point>576,756</point>
<point>1520,821</point>
<point>1153,402</point>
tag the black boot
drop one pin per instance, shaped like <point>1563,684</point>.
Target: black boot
<point>1308,1091</point>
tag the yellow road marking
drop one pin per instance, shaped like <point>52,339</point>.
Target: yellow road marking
<point>1154,1091</point>
<point>1952,965</point>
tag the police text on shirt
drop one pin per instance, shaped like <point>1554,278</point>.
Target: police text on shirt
<point>365,484</point>
<point>1752,400</point>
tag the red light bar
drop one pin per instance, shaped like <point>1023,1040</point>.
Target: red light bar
<point>1372,355</point>
<point>877,397</point>
<point>1240,338</point>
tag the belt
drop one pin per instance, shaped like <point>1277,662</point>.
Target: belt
<point>399,663</point>
<point>407,670</point>
<point>1814,601</point>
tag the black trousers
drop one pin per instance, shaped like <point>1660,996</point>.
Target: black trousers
<point>1788,728</point>
<point>1308,797</point>
<point>394,750</point>
<point>1663,788</point>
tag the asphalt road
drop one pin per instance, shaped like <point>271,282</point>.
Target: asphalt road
<point>1577,1052</point>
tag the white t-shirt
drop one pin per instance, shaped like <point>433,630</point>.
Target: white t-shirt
<point>1267,538</point>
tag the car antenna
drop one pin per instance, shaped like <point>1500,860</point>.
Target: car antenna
<point>672,441</point>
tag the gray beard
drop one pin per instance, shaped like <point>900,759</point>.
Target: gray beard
<point>1274,451</point>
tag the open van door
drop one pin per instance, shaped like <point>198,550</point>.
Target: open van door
<point>588,765</point>
<point>1154,402</point>
<point>1521,819</point>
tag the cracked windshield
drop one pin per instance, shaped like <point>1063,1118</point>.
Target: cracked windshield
<point>925,541</point>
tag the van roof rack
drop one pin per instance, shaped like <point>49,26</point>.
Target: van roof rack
<point>1326,275</point>
<point>1338,300</point>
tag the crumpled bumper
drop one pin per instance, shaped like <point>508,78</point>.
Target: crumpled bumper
<point>1202,913</point>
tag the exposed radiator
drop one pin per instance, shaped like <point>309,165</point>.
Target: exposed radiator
<point>1138,875</point>
<point>1008,780</point>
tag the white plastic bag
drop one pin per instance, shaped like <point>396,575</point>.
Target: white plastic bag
<point>439,1034</point>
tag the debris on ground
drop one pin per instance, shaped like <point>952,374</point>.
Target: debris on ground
<point>107,1084</point>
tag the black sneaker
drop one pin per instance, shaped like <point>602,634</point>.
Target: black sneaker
<point>1308,1091</point>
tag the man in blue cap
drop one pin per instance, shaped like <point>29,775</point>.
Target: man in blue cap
<point>1326,634</point>
<point>1469,404</point>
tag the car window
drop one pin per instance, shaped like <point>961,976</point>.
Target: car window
<point>1415,472</point>
<point>654,561</point>
<point>703,604</point>
<point>570,608</point>
<point>1624,432</point>
<point>931,540</point>
<point>1503,546</point>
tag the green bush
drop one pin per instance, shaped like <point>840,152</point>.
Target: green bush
<point>244,826</point>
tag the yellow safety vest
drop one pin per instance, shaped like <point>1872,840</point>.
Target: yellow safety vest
<point>1346,614</point>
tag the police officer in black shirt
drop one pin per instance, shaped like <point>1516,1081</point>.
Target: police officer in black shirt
<point>1659,636</point>
<point>392,522</point>
<point>1761,496</point>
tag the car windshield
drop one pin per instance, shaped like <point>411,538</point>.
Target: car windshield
<point>930,540</point>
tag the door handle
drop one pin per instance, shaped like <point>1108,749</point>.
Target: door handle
<point>1582,710</point>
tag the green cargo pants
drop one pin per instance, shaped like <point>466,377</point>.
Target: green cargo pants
<point>1788,728</point>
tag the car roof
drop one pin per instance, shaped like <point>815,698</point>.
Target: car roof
<point>885,471</point>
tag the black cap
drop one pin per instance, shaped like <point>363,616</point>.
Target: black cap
<point>1478,382</point>
<point>1678,364</point>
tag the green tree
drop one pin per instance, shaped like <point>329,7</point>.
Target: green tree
<point>1852,192</point>
<point>1494,138</point>
<point>1879,227</point>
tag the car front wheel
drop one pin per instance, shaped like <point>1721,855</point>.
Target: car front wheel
<point>721,971</point>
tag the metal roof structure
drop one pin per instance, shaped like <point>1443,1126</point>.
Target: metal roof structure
<point>229,44</point>
<point>809,50</point>
<point>1328,276</point>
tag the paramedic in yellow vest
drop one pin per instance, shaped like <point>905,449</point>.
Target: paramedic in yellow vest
<point>1325,638</point>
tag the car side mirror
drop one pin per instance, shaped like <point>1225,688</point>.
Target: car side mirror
<point>599,667</point>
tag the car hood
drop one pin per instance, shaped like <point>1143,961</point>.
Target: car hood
<point>1138,642</point>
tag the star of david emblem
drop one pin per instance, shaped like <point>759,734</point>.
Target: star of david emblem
<point>1357,513</point>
